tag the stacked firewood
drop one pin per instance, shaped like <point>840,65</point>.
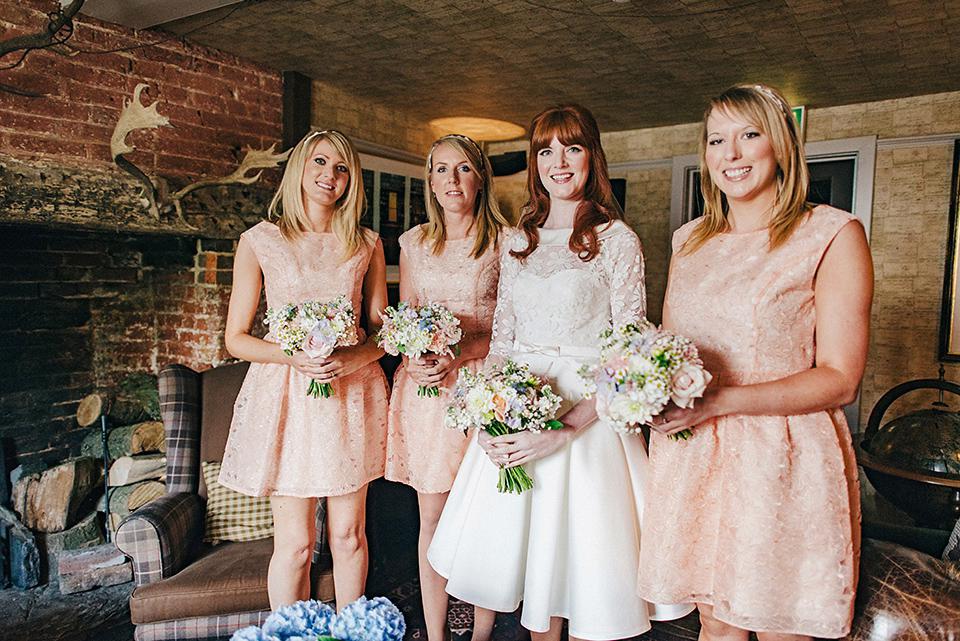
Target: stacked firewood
<point>58,509</point>
<point>136,450</point>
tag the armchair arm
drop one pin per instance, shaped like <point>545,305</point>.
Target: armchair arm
<point>161,536</point>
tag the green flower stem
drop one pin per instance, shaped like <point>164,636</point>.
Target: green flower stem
<point>681,436</point>
<point>317,390</point>
<point>511,479</point>
<point>427,391</point>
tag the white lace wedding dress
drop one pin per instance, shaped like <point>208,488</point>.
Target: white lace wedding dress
<point>569,547</point>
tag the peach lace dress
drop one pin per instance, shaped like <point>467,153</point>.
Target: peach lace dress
<point>757,516</point>
<point>569,546</point>
<point>283,442</point>
<point>421,451</point>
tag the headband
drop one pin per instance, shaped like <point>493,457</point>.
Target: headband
<point>469,140</point>
<point>766,91</point>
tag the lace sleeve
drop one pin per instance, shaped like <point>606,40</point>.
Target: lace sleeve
<point>501,340</point>
<point>623,259</point>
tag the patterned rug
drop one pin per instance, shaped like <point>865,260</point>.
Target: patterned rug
<point>392,535</point>
<point>406,595</point>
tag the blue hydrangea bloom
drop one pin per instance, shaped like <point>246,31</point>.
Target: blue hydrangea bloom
<point>301,620</point>
<point>252,633</point>
<point>375,620</point>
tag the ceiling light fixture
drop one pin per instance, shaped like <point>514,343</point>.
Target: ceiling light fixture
<point>480,129</point>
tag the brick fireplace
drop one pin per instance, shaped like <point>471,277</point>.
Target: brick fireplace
<point>92,287</point>
<point>85,308</point>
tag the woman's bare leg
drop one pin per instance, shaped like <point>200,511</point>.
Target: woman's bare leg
<point>346,523</point>
<point>288,576</point>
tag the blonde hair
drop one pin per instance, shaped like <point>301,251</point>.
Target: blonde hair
<point>487,219</point>
<point>287,204</point>
<point>765,108</point>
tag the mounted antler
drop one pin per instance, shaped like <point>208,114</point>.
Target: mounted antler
<point>136,116</point>
<point>254,159</point>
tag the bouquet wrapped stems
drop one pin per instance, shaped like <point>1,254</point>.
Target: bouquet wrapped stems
<point>642,368</point>
<point>502,401</point>
<point>416,330</point>
<point>423,390</point>
<point>316,328</point>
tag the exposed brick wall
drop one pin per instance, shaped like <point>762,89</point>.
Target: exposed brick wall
<point>84,309</point>
<point>218,103</point>
<point>92,288</point>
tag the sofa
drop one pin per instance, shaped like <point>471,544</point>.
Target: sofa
<point>185,588</point>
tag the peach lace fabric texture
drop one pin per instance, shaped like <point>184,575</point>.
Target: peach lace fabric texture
<point>421,451</point>
<point>283,442</point>
<point>755,515</point>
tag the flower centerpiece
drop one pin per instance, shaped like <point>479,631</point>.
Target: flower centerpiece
<point>504,400</point>
<point>375,619</point>
<point>415,330</point>
<point>316,328</point>
<point>642,368</point>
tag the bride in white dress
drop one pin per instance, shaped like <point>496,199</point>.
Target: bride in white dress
<point>568,548</point>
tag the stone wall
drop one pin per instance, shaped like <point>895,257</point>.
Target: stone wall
<point>908,230</point>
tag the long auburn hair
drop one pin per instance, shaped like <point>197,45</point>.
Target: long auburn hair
<point>765,108</point>
<point>287,204</point>
<point>487,219</point>
<point>571,124</point>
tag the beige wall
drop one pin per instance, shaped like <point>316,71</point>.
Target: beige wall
<point>385,125</point>
<point>908,230</point>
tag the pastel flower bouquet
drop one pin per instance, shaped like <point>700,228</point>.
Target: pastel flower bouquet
<point>375,619</point>
<point>415,330</point>
<point>642,368</point>
<point>315,328</point>
<point>504,400</point>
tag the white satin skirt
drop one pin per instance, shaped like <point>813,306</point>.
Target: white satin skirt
<point>567,548</point>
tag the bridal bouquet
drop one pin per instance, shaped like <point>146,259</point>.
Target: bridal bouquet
<point>315,328</point>
<point>641,369</point>
<point>500,401</point>
<point>363,620</point>
<point>413,331</point>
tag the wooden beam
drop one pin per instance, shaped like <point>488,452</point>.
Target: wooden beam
<point>297,107</point>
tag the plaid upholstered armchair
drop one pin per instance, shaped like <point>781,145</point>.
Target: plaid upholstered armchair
<point>185,588</point>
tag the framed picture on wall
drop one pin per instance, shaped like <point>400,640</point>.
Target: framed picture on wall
<point>950,312</point>
<point>394,191</point>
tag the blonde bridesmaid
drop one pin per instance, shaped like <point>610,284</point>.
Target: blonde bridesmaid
<point>453,259</point>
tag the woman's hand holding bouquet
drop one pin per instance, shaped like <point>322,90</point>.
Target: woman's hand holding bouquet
<point>416,330</point>
<point>642,368</point>
<point>504,400</point>
<point>316,329</point>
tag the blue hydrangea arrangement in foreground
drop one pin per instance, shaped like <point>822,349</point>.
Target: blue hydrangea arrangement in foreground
<point>375,619</point>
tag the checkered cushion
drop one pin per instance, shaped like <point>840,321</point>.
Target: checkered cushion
<point>232,516</point>
<point>202,628</point>
<point>952,551</point>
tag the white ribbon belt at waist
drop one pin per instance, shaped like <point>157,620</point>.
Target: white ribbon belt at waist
<point>565,351</point>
